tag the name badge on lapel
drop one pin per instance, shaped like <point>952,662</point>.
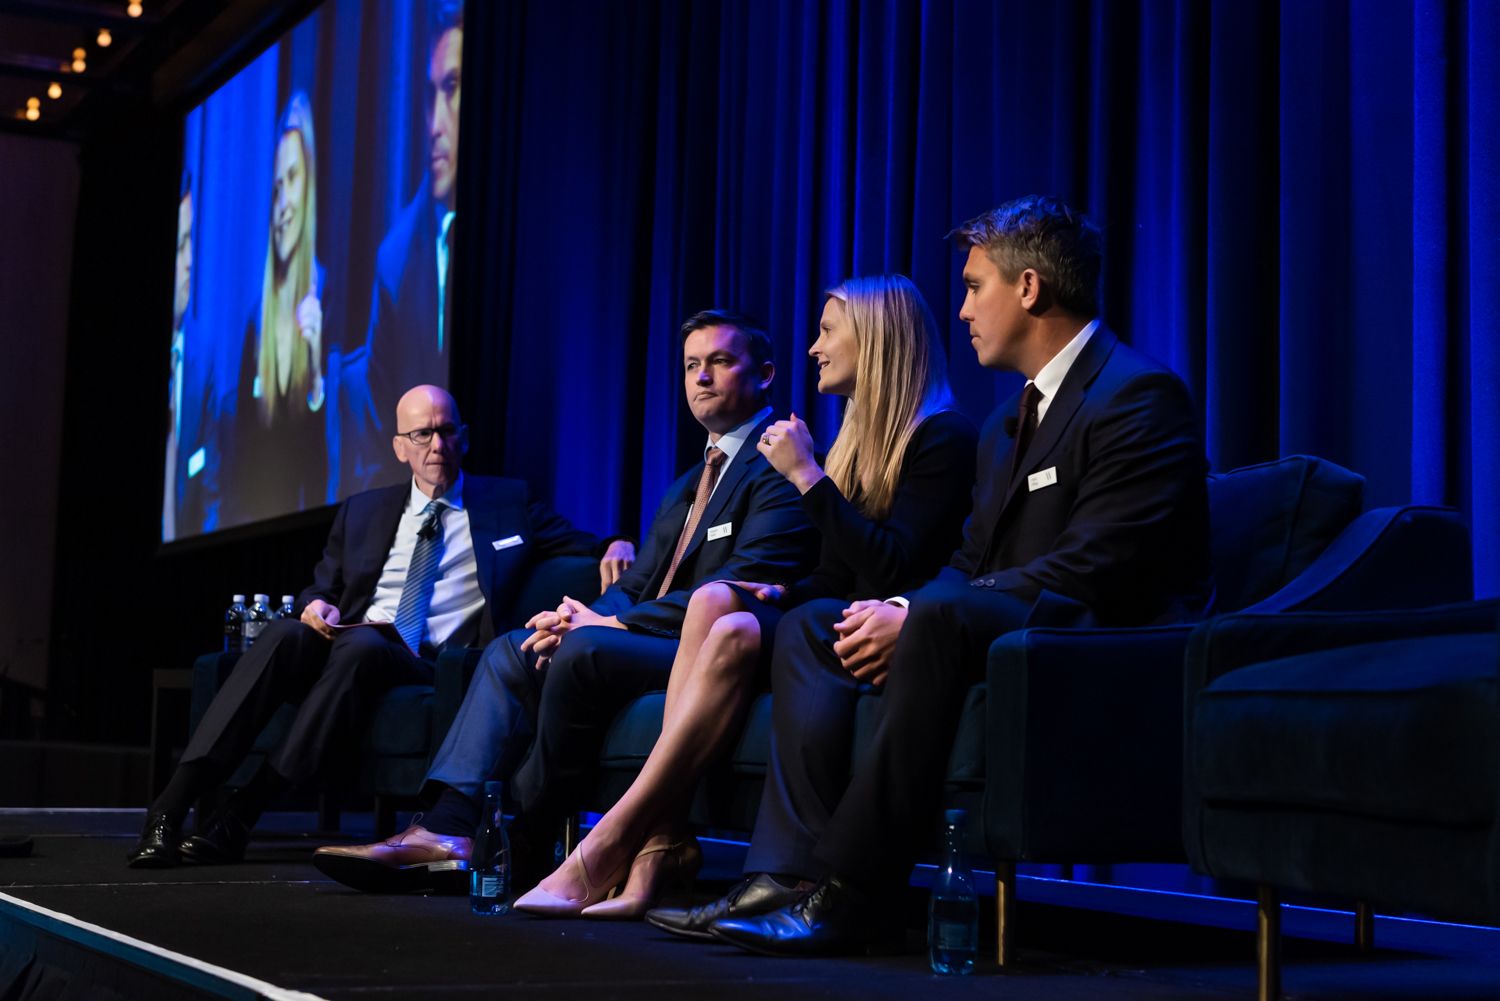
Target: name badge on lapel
<point>1045,478</point>
<point>509,542</point>
<point>719,531</point>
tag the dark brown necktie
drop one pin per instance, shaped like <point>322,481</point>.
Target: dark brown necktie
<point>711,463</point>
<point>1031,399</point>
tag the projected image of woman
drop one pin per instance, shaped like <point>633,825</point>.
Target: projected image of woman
<point>889,507</point>
<point>283,464</point>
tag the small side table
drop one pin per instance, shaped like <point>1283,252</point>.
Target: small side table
<point>171,690</point>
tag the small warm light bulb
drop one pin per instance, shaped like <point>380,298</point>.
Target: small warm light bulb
<point>33,102</point>
<point>79,54</point>
<point>79,66</point>
<point>32,114</point>
<point>134,8</point>
<point>54,90</point>
<point>105,38</point>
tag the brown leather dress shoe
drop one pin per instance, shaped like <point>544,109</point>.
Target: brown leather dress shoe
<point>413,861</point>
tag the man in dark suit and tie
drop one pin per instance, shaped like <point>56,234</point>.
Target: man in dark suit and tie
<point>429,559</point>
<point>1090,508</point>
<point>410,331</point>
<point>730,517</point>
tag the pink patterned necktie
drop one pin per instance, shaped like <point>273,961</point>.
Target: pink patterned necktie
<point>711,463</point>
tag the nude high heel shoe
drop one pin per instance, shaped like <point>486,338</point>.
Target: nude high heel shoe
<point>659,861</point>
<point>539,901</point>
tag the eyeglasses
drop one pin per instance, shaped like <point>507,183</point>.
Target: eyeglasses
<point>422,437</point>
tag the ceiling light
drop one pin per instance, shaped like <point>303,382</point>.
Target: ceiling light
<point>33,102</point>
<point>79,66</point>
<point>32,114</point>
<point>54,90</point>
<point>105,38</point>
<point>133,8</point>
<point>80,53</point>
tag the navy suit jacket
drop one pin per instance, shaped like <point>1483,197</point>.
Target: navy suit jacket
<point>197,493</point>
<point>1121,536</point>
<point>365,528</point>
<point>769,539</point>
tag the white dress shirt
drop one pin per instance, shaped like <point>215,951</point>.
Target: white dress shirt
<point>456,597</point>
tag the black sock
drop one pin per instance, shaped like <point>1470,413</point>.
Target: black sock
<point>453,814</point>
<point>251,800</point>
<point>190,781</point>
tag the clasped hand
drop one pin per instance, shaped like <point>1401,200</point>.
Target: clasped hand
<point>868,639</point>
<point>550,627</point>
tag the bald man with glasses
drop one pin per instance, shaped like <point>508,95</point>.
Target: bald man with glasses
<point>425,563</point>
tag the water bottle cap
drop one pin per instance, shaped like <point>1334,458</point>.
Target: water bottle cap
<point>239,599</point>
<point>262,598</point>
<point>955,816</point>
<point>492,788</point>
<point>286,599</point>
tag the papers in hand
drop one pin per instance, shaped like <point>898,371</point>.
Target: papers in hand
<point>385,629</point>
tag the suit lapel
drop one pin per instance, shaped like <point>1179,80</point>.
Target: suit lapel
<point>729,482</point>
<point>1070,396</point>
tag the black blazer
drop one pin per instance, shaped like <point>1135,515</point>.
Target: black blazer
<point>769,539</point>
<point>862,558</point>
<point>365,528</point>
<point>1121,536</point>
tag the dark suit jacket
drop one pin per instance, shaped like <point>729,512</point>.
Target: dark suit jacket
<point>770,539</point>
<point>365,528</point>
<point>197,494</point>
<point>1121,537</point>
<point>403,336</point>
<point>862,558</point>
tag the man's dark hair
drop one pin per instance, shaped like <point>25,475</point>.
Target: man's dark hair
<point>443,15</point>
<point>1042,233</point>
<point>761,350</point>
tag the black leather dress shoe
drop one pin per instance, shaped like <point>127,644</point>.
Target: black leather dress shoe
<point>751,896</point>
<point>222,841</point>
<point>831,918</point>
<point>157,847</point>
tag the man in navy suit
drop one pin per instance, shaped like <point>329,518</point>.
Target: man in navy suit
<point>410,330</point>
<point>595,659</point>
<point>1090,508</point>
<point>430,560</point>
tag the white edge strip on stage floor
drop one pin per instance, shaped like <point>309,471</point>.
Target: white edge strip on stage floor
<point>155,958</point>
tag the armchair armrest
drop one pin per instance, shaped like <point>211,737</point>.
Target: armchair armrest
<point>1390,557</point>
<point>1084,744</point>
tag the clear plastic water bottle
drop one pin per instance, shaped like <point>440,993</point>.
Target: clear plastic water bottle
<point>234,626</point>
<point>257,616</point>
<point>286,609</point>
<point>953,913</point>
<point>489,865</point>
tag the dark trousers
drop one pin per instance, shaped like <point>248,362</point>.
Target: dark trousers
<point>867,819</point>
<point>559,713</point>
<point>334,684</point>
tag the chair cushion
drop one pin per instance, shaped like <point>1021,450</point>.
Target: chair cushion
<point>1270,521</point>
<point>1403,730</point>
<point>402,722</point>
<point>633,732</point>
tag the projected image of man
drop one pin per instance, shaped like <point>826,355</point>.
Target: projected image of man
<point>189,499</point>
<point>411,305</point>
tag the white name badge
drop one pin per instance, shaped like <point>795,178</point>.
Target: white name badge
<point>720,531</point>
<point>509,542</point>
<point>1045,478</point>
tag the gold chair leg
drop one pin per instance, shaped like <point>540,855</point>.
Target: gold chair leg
<point>1364,926</point>
<point>1005,912</point>
<point>570,835</point>
<point>1268,943</point>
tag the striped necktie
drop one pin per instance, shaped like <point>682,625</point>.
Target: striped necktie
<point>421,577</point>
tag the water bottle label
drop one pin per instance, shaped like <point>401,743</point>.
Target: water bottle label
<point>489,886</point>
<point>955,935</point>
<point>253,630</point>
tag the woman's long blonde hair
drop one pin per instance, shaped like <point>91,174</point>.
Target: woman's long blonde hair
<point>900,379</point>
<point>292,281</point>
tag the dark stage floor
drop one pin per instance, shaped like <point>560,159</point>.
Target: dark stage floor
<point>277,920</point>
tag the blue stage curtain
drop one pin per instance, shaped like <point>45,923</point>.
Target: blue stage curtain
<point>1299,205</point>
